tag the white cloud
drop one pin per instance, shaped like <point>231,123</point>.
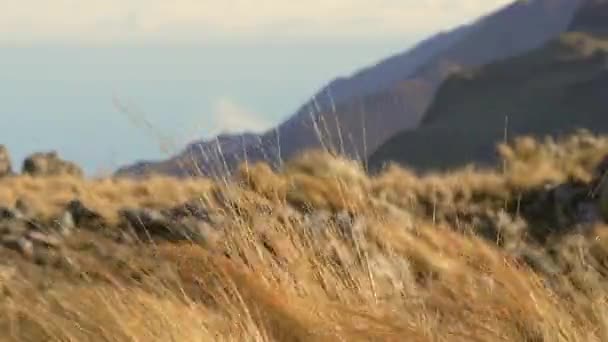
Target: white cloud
<point>230,117</point>
<point>115,20</point>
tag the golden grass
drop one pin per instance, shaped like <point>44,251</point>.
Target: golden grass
<point>397,273</point>
<point>424,284</point>
<point>48,196</point>
<point>530,162</point>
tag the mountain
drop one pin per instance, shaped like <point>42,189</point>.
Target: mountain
<point>555,89</point>
<point>358,114</point>
<point>265,146</point>
<point>592,17</point>
<point>200,157</point>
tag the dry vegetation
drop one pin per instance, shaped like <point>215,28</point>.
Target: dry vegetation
<point>47,196</point>
<point>322,252</point>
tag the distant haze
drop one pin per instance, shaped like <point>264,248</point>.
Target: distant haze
<point>260,20</point>
<point>63,97</point>
<point>64,79</point>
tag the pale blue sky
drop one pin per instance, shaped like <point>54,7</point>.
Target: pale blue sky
<point>191,69</point>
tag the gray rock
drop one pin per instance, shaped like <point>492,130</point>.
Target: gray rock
<point>588,212</point>
<point>558,206</point>
<point>147,224</point>
<point>189,209</point>
<point>571,191</point>
<point>65,224</point>
<point>49,164</point>
<point>83,216</point>
<point>67,220</point>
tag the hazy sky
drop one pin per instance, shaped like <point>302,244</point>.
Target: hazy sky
<point>193,20</point>
<point>105,81</point>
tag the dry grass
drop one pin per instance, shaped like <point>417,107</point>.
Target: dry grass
<point>396,272</point>
<point>47,196</point>
<point>531,162</point>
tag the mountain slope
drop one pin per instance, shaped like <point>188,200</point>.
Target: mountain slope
<point>555,89</point>
<point>592,17</point>
<point>203,156</point>
<point>358,119</point>
<point>511,31</point>
<point>264,146</point>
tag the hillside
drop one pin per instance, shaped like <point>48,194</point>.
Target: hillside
<point>553,90</point>
<point>382,100</point>
<point>316,251</point>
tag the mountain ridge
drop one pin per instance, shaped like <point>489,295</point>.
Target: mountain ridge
<point>361,124</point>
<point>553,90</point>
<point>177,165</point>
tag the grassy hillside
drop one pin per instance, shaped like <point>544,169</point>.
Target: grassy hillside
<point>553,90</point>
<point>319,251</point>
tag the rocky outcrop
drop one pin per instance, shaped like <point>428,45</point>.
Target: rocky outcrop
<point>49,164</point>
<point>39,164</point>
<point>558,209</point>
<point>6,168</point>
<point>28,237</point>
<point>535,216</point>
<point>45,241</point>
<point>150,224</point>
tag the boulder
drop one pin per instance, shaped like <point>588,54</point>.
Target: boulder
<point>146,221</point>
<point>148,224</point>
<point>192,209</point>
<point>6,168</point>
<point>65,224</point>
<point>49,164</point>
<point>82,216</point>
